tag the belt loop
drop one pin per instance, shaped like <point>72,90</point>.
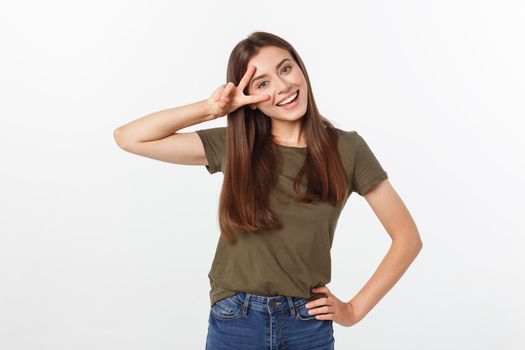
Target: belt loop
<point>245,304</point>
<point>290,304</point>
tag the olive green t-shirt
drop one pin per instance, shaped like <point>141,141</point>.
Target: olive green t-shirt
<point>296,258</point>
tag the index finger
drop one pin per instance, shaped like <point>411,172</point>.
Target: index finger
<point>247,76</point>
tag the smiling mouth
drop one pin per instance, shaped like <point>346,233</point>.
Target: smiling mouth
<point>292,101</point>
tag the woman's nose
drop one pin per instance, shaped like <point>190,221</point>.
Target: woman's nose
<point>282,86</point>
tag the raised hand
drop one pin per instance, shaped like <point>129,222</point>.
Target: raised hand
<point>228,97</point>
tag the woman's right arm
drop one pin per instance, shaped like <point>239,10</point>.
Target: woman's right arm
<point>155,135</point>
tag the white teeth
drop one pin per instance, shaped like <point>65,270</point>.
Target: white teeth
<point>288,99</point>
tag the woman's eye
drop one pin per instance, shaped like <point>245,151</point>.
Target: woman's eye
<point>259,86</point>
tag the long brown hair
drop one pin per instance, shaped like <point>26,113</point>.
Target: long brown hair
<point>253,160</point>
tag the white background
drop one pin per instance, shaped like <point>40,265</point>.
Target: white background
<point>102,249</point>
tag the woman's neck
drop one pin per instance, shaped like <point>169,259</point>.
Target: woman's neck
<point>288,133</point>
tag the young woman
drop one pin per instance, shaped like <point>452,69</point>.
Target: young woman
<point>288,173</point>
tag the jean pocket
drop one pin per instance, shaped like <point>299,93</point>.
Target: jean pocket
<point>301,313</point>
<point>228,308</point>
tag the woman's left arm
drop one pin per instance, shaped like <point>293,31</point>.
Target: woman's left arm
<point>406,244</point>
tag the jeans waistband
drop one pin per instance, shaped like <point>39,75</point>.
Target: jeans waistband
<point>271,304</point>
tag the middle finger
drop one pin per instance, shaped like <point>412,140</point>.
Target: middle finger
<point>323,309</point>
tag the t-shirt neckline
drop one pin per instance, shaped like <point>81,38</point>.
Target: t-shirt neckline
<point>291,147</point>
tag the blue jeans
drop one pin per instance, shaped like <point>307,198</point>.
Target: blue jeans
<point>247,321</point>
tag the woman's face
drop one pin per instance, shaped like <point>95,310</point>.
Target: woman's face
<point>278,75</point>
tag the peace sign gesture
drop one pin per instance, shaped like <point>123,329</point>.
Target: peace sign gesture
<point>228,97</point>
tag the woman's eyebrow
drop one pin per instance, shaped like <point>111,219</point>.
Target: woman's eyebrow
<point>265,75</point>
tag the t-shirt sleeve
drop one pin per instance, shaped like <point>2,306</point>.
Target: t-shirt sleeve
<point>214,142</point>
<point>367,171</point>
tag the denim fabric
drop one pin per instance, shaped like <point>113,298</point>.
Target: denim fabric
<point>247,321</point>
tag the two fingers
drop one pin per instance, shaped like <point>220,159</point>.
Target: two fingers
<point>224,96</point>
<point>246,80</point>
<point>319,290</point>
